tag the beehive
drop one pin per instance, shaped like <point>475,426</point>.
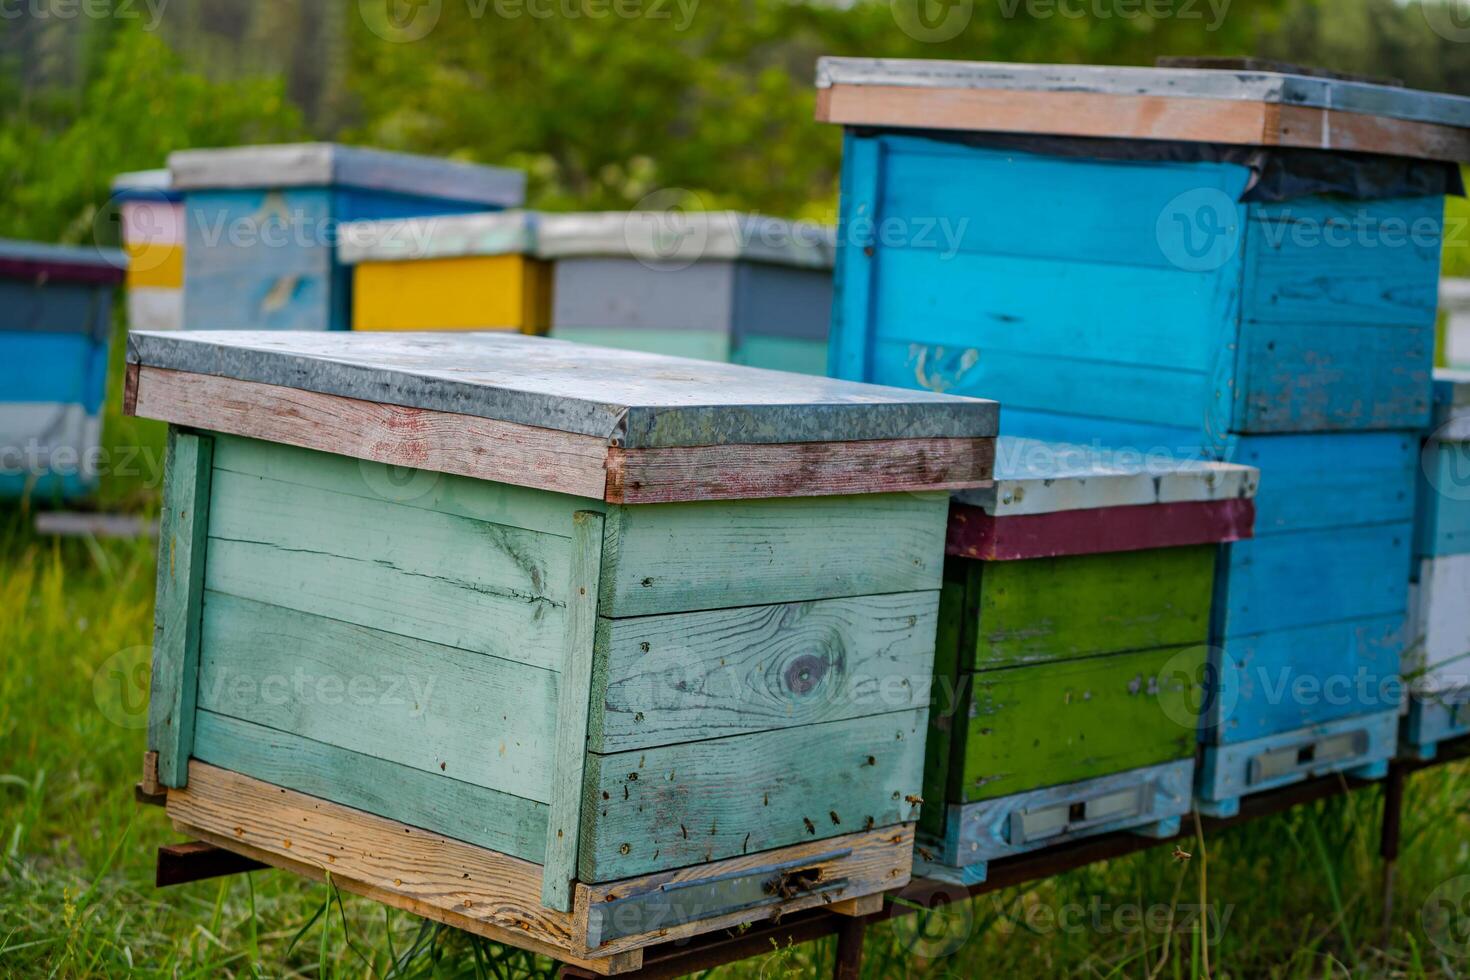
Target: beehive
<point>1071,657</point>
<point>152,214</point>
<point>718,286</point>
<point>663,628</point>
<point>1219,263</point>
<point>55,328</point>
<point>452,272</point>
<point>1206,250</point>
<point>263,224</point>
<point>1437,663</point>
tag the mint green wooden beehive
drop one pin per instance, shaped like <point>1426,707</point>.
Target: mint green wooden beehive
<point>592,614</point>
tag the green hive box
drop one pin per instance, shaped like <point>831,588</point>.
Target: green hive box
<point>576,648</point>
<point>1071,650</point>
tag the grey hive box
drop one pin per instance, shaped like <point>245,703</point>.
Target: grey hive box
<point>716,285</point>
<point>660,629</point>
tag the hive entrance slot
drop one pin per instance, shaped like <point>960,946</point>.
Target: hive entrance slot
<point>799,881</point>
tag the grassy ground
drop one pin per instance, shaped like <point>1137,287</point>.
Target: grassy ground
<point>1293,896</point>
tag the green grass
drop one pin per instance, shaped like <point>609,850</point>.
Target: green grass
<point>1293,896</point>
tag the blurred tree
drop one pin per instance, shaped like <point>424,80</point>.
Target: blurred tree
<point>58,154</point>
<point>712,100</point>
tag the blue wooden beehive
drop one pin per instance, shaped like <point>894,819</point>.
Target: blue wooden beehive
<point>1224,263</point>
<point>261,239</point>
<point>1437,664</point>
<point>55,325</point>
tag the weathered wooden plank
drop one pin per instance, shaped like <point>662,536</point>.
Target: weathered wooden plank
<point>628,398</point>
<point>987,302</point>
<point>849,344</point>
<point>1108,391</point>
<point>490,894</point>
<point>693,556</point>
<point>690,676</point>
<point>474,718</point>
<point>570,760</point>
<point>426,873</point>
<point>527,566</point>
<point>1034,476</point>
<point>182,555</point>
<point>1383,268</point>
<point>433,801</point>
<point>1230,771</point>
<point>657,809</point>
<point>1274,83</point>
<point>1080,606</point>
<point>1079,719</point>
<point>383,599</point>
<point>990,829</point>
<point>949,703</point>
<point>1283,679</point>
<point>391,434</point>
<point>391,568</point>
<point>938,190</point>
<point>445,493</point>
<point>1137,117</point>
<point>644,476</point>
<point>1300,377</point>
<point>550,460</point>
<point>1283,581</point>
<point>975,534</point>
<point>1057,113</point>
<point>859,865</point>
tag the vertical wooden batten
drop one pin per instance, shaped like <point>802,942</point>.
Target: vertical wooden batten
<point>563,834</point>
<point>182,540</point>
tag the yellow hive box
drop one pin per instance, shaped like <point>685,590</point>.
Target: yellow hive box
<point>464,272</point>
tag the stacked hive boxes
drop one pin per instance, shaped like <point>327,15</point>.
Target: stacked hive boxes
<point>263,222</point>
<point>152,214</point>
<point>1437,664</point>
<point>715,286</point>
<point>637,648</point>
<point>1073,624</point>
<point>55,328</point>
<point>1210,262</point>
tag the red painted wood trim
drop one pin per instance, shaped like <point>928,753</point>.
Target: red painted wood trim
<point>975,534</point>
<point>53,270</point>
